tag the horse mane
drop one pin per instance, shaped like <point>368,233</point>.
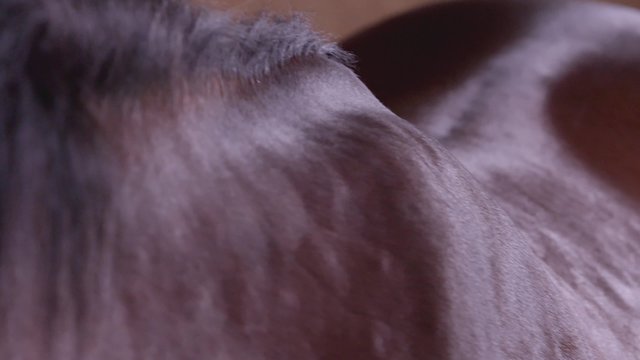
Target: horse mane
<point>105,43</point>
<point>56,181</point>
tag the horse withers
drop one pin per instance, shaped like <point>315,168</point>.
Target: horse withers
<point>540,102</point>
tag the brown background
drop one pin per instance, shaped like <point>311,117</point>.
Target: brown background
<point>338,18</point>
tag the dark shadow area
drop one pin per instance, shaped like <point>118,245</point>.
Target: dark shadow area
<point>595,107</point>
<point>435,48</point>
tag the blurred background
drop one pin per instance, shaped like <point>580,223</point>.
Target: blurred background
<point>340,18</point>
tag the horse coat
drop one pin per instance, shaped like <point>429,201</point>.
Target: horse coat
<point>177,184</point>
<point>540,101</point>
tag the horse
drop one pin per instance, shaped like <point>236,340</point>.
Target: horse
<point>540,102</point>
<point>177,183</point>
